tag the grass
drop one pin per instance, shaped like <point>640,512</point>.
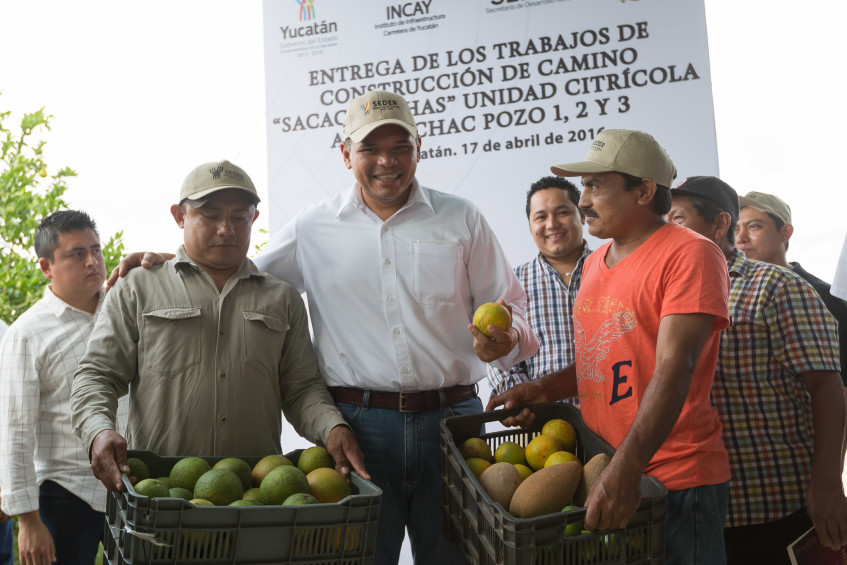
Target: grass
<point>98,561</point>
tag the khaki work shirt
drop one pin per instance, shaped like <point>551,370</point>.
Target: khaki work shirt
<point>207,372</point>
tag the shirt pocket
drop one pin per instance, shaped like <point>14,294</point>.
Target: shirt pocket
<point>435,267</point>
<point>172,340</point>
<point>264,338</point>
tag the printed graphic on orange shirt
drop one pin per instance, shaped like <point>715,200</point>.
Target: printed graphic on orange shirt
<point>590,352</point>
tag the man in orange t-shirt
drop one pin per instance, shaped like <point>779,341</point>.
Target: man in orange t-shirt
<point>647,320</point>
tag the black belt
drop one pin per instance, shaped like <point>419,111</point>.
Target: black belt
<point>417,401</point>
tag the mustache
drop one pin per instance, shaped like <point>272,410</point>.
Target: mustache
<point>589,212</point>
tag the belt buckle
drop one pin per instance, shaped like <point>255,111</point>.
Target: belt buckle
<point>401,405</point>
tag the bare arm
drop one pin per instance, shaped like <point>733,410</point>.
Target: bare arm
<point>552,387</point>
<point>614,498</point>
<point>825,501</point>
<point>35,544</point>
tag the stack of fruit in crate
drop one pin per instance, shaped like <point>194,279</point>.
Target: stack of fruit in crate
<point>274,480</point>
<point>544,477</point>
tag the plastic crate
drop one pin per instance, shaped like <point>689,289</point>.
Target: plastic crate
<point>489,535</point>
<point>140,530</point>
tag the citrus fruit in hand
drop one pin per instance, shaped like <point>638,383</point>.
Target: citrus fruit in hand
<point>492,314</point>
<point>562,431</point>
<point>539,449</point>
<point>510,452</point>
<point>138,469</point>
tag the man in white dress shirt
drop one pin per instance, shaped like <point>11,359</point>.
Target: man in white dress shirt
<point>45,474</point>
<point>6,557</point>
<point>394,272</point>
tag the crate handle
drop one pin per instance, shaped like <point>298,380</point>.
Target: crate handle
<point>127,528</point>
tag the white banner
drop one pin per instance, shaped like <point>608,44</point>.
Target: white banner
<point>501,90</point>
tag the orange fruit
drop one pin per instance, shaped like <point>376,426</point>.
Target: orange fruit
<point>510,452</point>
<point>327,485</point>
<point>219,486</point>
<point>266,465</point>
<point>476,447</point>
<point>560,457</point>
<point>539,449</point>
<point>523,470</point>
<point>492,314</point>
<point>562,431</point>
<point>315,457</point>
<point>477,466</point>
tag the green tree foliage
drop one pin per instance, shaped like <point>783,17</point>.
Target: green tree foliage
<point>28,194</point>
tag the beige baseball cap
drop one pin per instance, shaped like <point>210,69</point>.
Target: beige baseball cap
<point>374,109</point>
<point>208,178</point>
<point>628,151</point>
<point>767,203</point>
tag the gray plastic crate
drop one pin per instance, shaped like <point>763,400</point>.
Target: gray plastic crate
<point>489,535</point>
<point>156,531</point>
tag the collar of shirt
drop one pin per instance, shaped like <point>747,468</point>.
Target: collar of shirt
<point>57,306</point>
<point>576,268</point>
<point>354,201</point>
<point>245,270</point>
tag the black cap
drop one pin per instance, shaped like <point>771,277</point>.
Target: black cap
<point>712,189</point>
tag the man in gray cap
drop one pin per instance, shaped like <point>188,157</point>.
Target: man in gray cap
<point>648,316</point>
<point>209,348</point>
<point>776,390</point>
<point>763,233</point>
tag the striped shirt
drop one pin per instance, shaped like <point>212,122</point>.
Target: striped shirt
<point>549,313</point>
<point>779,329</point>
<point>38,357</point>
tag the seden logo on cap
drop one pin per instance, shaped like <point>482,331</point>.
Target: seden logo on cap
<point>598,145</point>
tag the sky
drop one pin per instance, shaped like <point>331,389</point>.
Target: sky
<point>142,93</point>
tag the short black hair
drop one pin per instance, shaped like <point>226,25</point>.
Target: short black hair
<point>662,198</point>
<point>57,223</point>
<point>778,223</point>
<point>554,182</point>
<point>709,211</point>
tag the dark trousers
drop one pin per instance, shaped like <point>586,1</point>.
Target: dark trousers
<point>77,529</point>
<point>6,557</point>
<point>765,543</point>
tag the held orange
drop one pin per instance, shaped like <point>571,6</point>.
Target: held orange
<point>492,314</point>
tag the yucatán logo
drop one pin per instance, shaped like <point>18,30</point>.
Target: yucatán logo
<point>216,172</point>
<point>307,14</point>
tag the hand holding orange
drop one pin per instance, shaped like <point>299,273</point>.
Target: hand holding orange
<point>492,314</point>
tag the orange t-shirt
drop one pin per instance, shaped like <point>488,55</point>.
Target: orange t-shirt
<point>616,321</point>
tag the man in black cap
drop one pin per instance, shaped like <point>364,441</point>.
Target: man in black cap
<point>777,391</point>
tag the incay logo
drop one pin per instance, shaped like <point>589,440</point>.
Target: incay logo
<point>307,9</point>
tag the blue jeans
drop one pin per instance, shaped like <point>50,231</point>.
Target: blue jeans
<point>403,456</point>
<point>77,529</point>
<point>695,520</point>
<point>6,557</point>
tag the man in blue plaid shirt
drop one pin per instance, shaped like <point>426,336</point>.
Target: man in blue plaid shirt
<point>551,280</point>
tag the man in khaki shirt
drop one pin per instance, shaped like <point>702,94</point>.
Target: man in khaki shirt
<point>209,348</point>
